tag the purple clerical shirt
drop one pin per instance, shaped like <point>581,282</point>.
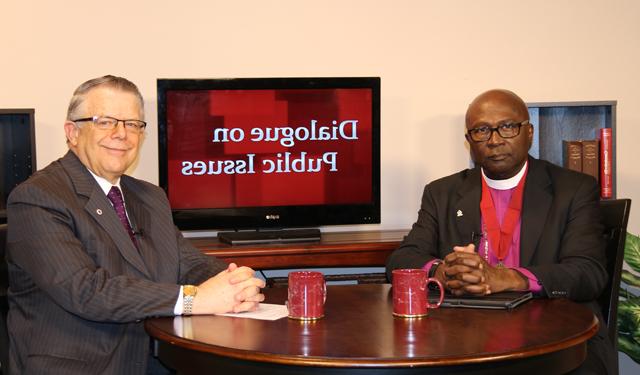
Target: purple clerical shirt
<point>501,200</point>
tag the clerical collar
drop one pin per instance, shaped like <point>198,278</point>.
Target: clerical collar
<point>508,183</point>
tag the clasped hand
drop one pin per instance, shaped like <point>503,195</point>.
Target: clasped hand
<point>465,272</point>
<point>235,289</point>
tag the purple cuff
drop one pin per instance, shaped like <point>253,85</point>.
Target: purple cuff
<point>534,284</point>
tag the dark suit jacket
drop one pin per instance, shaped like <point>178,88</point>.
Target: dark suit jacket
<point>561,239</point>
<point>79,288</point>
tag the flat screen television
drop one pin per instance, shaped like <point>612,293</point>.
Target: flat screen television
<point>270,153</point>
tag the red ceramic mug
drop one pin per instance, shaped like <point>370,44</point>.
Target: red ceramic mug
<point>307,294</point>
<point>410,298</point>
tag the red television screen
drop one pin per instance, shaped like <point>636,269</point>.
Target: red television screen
<point>265,152</point>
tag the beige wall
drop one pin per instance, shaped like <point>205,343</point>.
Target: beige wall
<point>433,57</point>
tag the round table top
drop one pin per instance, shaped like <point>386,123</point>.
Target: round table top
<point>359,330</point>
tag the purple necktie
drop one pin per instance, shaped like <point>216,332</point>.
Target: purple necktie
<point>115,196</point>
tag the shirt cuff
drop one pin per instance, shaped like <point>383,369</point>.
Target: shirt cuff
<point>177,309</point>
<point>534,284</point>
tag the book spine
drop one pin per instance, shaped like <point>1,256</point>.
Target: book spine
<point>606,159</point>
<point>590,158</point>
<point>572,155</point>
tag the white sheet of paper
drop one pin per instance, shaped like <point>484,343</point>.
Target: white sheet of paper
<point>266,311</point>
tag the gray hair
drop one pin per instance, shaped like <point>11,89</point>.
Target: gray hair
<point>114,82</point>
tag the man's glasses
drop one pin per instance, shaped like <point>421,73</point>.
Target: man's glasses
<point>110,123</point>
<point>484,133</point>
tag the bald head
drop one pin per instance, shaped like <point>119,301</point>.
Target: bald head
<point>505,152</point>
<point>497,98</point>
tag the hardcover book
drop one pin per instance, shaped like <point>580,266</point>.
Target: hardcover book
<point>606,160</point>
<point>590,158</point>
<point>572,155</point>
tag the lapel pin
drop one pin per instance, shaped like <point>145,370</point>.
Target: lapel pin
<point>459,213</point>
<point>99,211</point>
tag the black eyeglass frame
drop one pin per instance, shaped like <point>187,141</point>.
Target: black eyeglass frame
<point>498,129</point>
<point>138,125</point>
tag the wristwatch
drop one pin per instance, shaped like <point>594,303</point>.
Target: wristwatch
<point>434,267</point>
<point>188,294</point>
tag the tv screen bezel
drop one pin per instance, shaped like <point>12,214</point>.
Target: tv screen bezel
<point>273,217</point>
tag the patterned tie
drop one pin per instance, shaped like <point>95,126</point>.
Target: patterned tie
<point>115,196</point>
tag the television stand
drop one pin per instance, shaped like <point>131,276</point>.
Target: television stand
<point>335,249</point>
<point>270,236</point>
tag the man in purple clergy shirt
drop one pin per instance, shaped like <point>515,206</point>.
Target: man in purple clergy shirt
<point>512,223</point>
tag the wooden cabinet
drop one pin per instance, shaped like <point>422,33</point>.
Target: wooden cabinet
<point>335,249</point>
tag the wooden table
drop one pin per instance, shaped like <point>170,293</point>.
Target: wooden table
<point>359,335</point>
<point>335,249</point>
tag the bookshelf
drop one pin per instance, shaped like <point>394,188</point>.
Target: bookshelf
<point>557,121</point>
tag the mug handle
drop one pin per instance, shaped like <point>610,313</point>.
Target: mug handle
<point>434,280</point>
<point>324,292</point>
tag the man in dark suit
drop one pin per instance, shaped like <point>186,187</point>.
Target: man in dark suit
<point>92,251</point>
<point>513,222</point>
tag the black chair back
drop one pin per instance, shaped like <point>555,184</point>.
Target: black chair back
<point>615,216</point>
<point>4,302</point>
<point>4,274</point>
